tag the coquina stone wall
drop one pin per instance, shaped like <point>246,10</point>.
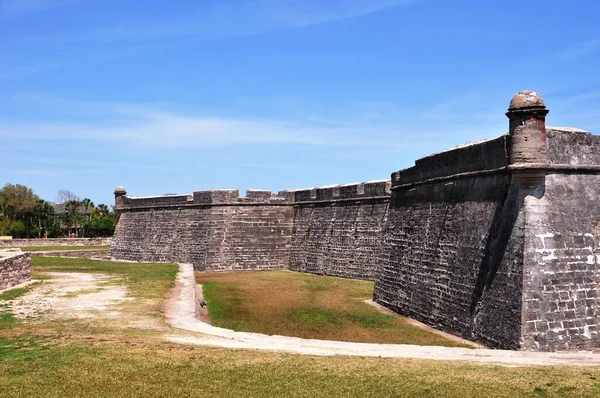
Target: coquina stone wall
<point>338,230</point>
<point>452,256</point>
<point>214,230</point>
<point>55,242</point>
<point>330,231</point>
<point>14,270</point>
<point>562,247</point>
<point>498,241</point>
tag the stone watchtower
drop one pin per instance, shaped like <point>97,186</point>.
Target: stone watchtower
<point>527,153</point>
<point>119,193</point>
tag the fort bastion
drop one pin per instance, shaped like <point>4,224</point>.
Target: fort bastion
<point>496,241</point>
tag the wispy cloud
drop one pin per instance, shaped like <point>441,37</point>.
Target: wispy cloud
<point>144,127</point>
<point>580,50</point>
<point>47,172</point>
<point>15,8</point>
<point>160,126</point>
<point>145,35</point>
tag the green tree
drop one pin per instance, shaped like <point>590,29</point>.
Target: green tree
<point>15,200</point>
<point>21,211</point>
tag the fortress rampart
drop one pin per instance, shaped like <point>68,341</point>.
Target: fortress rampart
<point>331,230</point>
<point>215,230</point>
<point>497,241</point>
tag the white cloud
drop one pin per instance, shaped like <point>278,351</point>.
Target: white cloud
<point>582,49</point>
<point>159,126</point>
<point>156,128</point>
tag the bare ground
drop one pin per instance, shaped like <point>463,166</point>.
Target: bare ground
<point>84,296</point>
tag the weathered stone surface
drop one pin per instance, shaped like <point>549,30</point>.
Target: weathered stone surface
<point>234,236</point>
<point>14,270</point>
<point>452,253</point>
<point>472,250</point>
<point>562,250</point>
<point>333,231</point>
<point>340,231</point>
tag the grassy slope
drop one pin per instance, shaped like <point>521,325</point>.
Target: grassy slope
<point>309,306</point>
<point>70,358</point>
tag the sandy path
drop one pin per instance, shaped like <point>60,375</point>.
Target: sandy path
<point>71,295</point>
<point>180,313</point>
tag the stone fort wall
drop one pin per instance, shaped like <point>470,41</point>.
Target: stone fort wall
<point>452,256</point>
<point>330,231</point>
<point>496,241</point>
<point>214,230</point>
<point>339,230</point>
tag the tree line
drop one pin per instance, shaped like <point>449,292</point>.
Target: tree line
<point>23,214</point>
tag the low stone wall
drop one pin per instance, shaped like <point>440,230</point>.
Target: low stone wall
<point>14,270</point>
<point>56,242</point>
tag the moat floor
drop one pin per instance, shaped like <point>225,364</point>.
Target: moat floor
<point>180,313</point>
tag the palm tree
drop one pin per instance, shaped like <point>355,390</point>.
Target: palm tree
<point>88,204</point>
<point>102,210</point>
<point>42,210</point>
<point>72,216</point>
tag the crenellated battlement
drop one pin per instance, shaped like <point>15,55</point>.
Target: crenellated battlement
<point>215,197</point>
<point>379,189</point>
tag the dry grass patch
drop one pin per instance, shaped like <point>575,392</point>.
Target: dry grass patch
<point>148,368</point>
<point>308,306</point>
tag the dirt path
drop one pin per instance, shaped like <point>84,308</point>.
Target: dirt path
<point>180,313</point>
<point>71,295</point>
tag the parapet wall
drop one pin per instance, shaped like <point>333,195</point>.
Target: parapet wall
<point>14,270</point>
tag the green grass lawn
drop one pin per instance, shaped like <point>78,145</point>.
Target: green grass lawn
<point>308,306</point>
<point>94,358</point>
<point>61,248</point>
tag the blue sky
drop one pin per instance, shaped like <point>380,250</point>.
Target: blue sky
<point>166,96</point>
